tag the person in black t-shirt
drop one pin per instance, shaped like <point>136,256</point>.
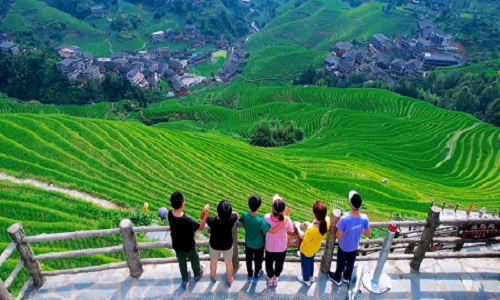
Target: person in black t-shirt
<point>221,238</point>
<point>182,231</point>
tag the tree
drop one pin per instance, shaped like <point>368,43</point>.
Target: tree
<point>493,113</point>
<point>465,101</point>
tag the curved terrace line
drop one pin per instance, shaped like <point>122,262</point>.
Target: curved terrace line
<point>72,193</point>
<point>453,141</point>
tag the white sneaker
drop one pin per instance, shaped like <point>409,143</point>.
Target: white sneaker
<point>312,279</point>
<point>301,279</point>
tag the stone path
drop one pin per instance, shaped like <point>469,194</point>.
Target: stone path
<point>438,279</point>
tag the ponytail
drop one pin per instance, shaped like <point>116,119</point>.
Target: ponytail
<point>320,211</point>
<point>278,209</point>
<point>323,227</point>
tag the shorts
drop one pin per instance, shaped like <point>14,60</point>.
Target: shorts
<point>215,254</point>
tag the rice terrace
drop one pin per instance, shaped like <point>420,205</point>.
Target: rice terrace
<point>96,120</point>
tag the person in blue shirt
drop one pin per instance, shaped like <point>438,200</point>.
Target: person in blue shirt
<point>350,228</point>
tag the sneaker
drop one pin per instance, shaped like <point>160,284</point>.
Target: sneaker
<point>184,284</point>
<point>270,282</point>
<point>345,280</point>
<point>250,279</point>
<point>259,276</point>
<point>198,277</point>
<point>213,279</point>
<point>330,276</point>
<point>301,279</point>
<point>228,283</point>
<point>275,281</point>
<point>312,279</point>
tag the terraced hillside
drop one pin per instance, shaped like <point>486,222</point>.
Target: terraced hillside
<point>33,18</point>
<point>353,140</point>
<point>317,25</point>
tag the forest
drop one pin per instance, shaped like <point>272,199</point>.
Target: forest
<point>33,75</point>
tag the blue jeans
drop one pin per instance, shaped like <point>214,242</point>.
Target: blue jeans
<point>307,264</point>
<point>345,260</point>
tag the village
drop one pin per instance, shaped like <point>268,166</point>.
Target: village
<point>145,69</point>
<point>389,60</point>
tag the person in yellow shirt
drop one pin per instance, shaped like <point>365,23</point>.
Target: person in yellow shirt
<point>311,241</point>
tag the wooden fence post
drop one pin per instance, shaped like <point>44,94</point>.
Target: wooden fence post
<point>426,239</point>
<point>17,233</point>
<point>326,260</point>
<point>4,293</point>
<point>236,261</point>
<point>130,246</point>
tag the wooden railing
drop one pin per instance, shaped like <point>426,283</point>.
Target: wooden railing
<point>417,238</point>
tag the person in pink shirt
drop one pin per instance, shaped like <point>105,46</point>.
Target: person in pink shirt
<point>277,243</point>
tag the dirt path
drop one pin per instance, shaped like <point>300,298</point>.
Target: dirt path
<point>453,141</point>
<point>110,45</point>
<point>72,193</point>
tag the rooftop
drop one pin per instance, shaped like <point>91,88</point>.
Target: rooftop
<point>437,279</point>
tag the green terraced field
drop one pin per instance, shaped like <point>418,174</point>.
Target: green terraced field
<point>28,15</point>
<point>354,138</point>
<point>312,29</point>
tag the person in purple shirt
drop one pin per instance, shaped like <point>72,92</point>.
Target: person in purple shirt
<point>350,228</point>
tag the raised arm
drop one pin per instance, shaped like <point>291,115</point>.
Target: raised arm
<point>280,226</point>
<point>204,217</point>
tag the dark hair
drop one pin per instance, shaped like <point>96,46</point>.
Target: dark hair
<point>278,209</point>
<point>320,211</point>
<point>356,201</point>
<point>254,203</point>
<point>224,210</point>
<point>176,200</point>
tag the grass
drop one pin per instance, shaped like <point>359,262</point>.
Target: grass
<point>209,68</point>
<point>490,68</point>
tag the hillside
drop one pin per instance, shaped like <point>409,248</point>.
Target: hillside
<point>315,27</point>
<point>354,138</point>
<point>42,25</point>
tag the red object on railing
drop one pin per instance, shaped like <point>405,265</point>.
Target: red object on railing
<point>392,227</point>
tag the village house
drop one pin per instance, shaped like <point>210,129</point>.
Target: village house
<point>160,52</point>
<point>381,43</point>
<point>65,53</point>
<point>440,38</point>
<point>441,5</point>
<point>92,73</point>
<point>397,68</point>
<point>228,72</point>
<point>157,37</point>
<point>98,11</point>
<point>424,28</point>
<point>180,88</point>
<point>361,56</point>
<point>433,60</point>
<point>376,73</point>
<point>211,39</point>
<point>176,66</point>
<point>346,66</point>
<point>9,48</point>
<point>195,44</point>
<point>134,76</point>
<point>71,67</point>
<point>342,47</point>
<point>168,74</point>
<point>139,65</point>
<point>198,59</point>
<point>411,68</point>
<point>403,43</point>
<point>423,46</point>
<point>381,61</point>
<point>221,44</point>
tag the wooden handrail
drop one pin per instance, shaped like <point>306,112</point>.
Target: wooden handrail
<point>78,253</point>
<point>70,235</point>
<point>134,262</point>
<point>13,275</point>
<point>7,253</point>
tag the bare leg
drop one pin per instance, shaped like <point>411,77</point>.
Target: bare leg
<point>229,271</point>
<point>213,269</point>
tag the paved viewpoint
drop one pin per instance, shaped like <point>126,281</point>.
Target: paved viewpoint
<point>438,279</point>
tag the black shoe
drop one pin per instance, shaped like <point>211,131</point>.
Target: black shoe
<point>197,278</point>
<point>331,276</point>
